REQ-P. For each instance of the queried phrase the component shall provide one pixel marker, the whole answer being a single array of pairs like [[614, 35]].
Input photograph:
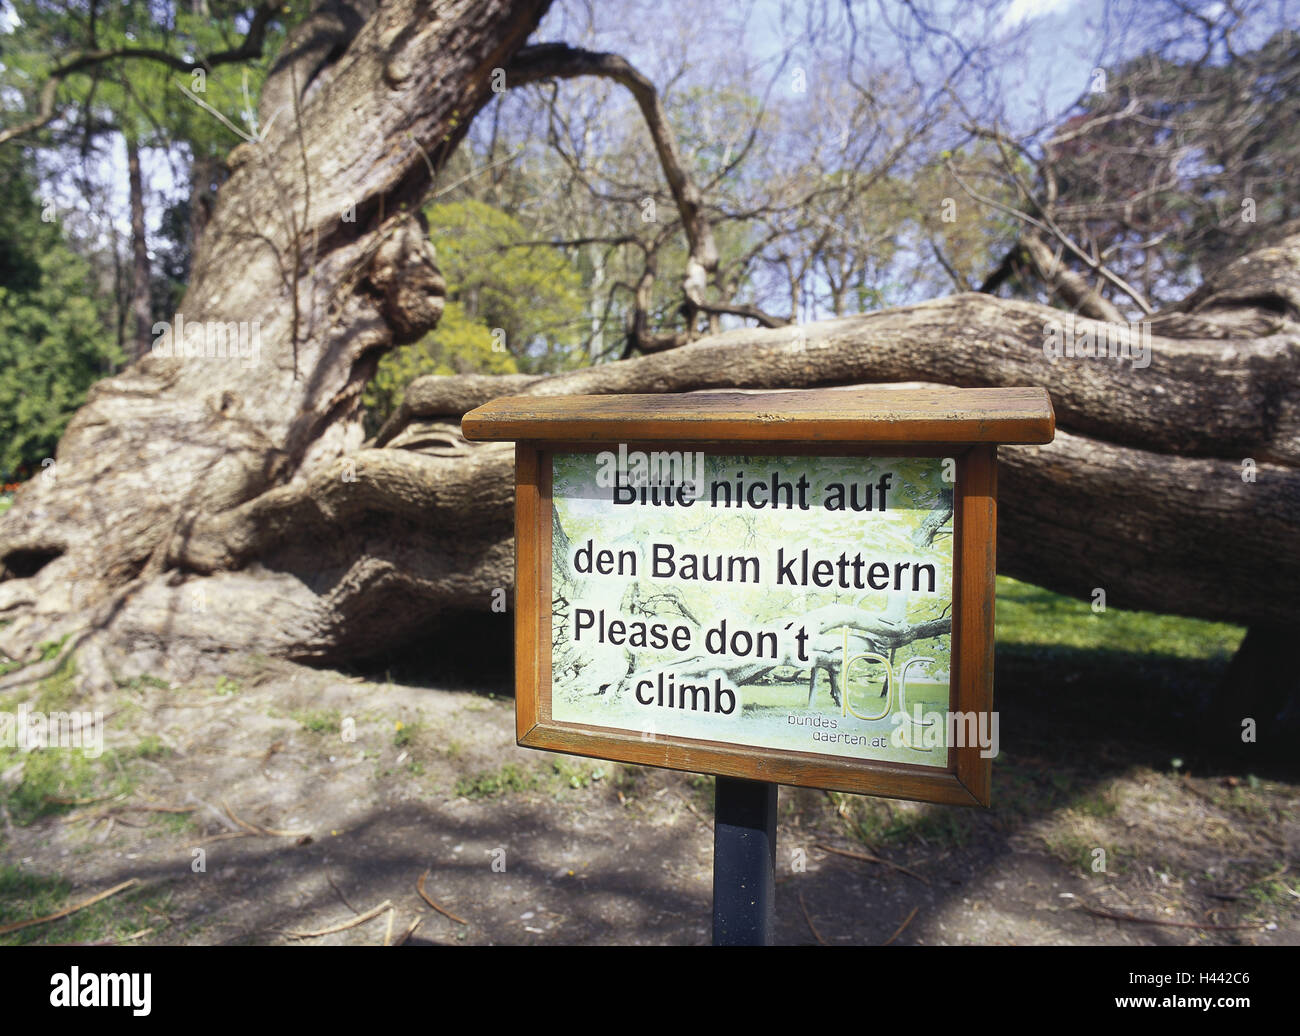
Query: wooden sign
[[791, 587]]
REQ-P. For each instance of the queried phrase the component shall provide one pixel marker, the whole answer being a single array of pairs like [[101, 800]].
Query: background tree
[[54, 339], [1173, 165], [138, 80]]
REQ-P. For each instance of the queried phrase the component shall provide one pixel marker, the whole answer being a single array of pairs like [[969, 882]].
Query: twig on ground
[[257, 829], [700, 816], [223, 836], [330, 879], [811, 927], [867, 857], [409, 930], [276, 832], [1267, 877], [242, 823], [899, 930], [16, 925], [419, 887], [369, 915], [1114, 916]]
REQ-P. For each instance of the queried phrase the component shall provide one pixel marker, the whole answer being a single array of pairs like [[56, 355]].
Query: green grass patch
[[877, 823], [1271, 892], [1074, 849], [405, 734], [177, 823], [150, 746], [140, 683], [318, 721], [58, 690], [24, 896], [50, 648], [488, 785], [573, 773], [1100, 803], [704, 789], [55, 692], [1029, 615], [227, 686], [54, 780], [627, 776]]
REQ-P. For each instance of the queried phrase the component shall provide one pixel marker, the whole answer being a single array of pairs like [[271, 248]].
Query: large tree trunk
[[316, 255], [203, 506]]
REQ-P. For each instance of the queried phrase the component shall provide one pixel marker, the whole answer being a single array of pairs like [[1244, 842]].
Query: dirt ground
[[319, 798]]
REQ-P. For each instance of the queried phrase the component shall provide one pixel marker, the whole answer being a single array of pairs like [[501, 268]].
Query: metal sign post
[[744, 862]]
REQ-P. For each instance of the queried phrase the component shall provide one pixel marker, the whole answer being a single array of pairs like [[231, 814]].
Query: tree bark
[[317, 260], [1255, 712]]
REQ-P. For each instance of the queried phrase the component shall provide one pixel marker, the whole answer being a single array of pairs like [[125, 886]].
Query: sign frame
[[965, 424]]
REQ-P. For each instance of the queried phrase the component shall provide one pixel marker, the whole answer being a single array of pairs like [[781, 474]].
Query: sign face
[[792, 587], [779, 602]]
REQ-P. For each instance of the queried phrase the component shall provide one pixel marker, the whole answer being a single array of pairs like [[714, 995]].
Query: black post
[[744, 862]]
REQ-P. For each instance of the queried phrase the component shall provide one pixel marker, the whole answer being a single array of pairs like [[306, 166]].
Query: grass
[[148, 747], [55, 780], [879, 823], [318, 721], [140, 683], [52, 779], [58, 690], [177, 823], [1100, 803], [488, 785], [1271, 892], [227, 686], [627, 777], [50, 648], [575, 774], [704, 789], [405, 734], [24, 895], [1075, 850], [1029, 616], [45, 651]]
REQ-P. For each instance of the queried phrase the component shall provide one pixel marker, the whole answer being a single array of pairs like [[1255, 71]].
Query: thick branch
[[752, 312], [560, 61], [1073, 287], [1204, 396]]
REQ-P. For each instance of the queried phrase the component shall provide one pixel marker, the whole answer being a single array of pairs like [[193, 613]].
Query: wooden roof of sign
[[1016, 416]]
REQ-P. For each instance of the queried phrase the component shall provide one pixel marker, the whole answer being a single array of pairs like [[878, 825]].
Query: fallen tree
[[204, 505]]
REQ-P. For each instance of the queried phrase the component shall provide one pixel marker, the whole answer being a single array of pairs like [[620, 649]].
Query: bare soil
[[367, 784]]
